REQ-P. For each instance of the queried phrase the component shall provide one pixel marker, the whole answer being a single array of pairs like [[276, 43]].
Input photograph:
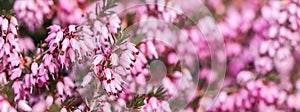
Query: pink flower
[[112, 82], [153, 104], [263, 65], [15, 73], [66, 87], [5, 105], [127, 59], [59, 87], [32, 12], [69, 14], [245, 76], [65, 44], [24, 106], [87, 79], [114, 59], [151, 49], [49, 101], [97, 59], [41, 106], [173, 58], [69, 82], [27, 45], [4, 26], [114, 23], [63, 110], [34, 68]]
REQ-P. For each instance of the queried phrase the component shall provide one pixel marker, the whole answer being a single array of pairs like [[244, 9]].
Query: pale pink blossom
[[24, 106]]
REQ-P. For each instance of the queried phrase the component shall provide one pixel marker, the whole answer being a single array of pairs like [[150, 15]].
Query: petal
[[87, 79], [4, 25], [49, 100], [65, 44], [13, 20], [16, 73], [69, 82], [59, 36], [72, 28], [34, 68], [63, 110], [50, 37], [60, 88], [114, 59], [107, 73], [98, 59], [1, 43], [24, 106]]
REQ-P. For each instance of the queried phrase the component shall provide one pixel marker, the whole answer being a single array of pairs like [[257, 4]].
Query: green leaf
[[139, 38], [107, 4], [54, 108], [159, 93], [136, 102]]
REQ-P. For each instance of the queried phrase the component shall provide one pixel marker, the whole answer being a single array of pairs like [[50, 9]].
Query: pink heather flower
[[97, 59], [139, 70], [263, 65], [69, 82], [233, 49], [149, 49], [69, 14], [271, 28], [59, 87], [173, 58], [32, 12], [245, 76], [3, 80], [170, 86], [19, 90], [4, 26], [68, 42], [208, 75], [114, 59], [153, 104], [65, 87], [29, 81], [16, 73], [163, 11], [27, 45], [65, 44], [241, 99], [114, 23], [24, 106], [127, 59], [87, 79], [106, 107], [49, 101], [63, 110], [112, 82], [34, 68], [5, 105], [235, 66], [49, 63], [41, 106], [284, 61]]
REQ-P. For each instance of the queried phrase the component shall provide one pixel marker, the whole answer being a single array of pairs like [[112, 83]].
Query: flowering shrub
[[149, 55]]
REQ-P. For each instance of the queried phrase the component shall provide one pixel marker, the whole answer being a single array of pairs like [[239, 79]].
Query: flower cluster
[[160, 55], [35, 12], [32, 12]]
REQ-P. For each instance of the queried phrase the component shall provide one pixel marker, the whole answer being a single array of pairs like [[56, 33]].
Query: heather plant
[[149, 55]]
